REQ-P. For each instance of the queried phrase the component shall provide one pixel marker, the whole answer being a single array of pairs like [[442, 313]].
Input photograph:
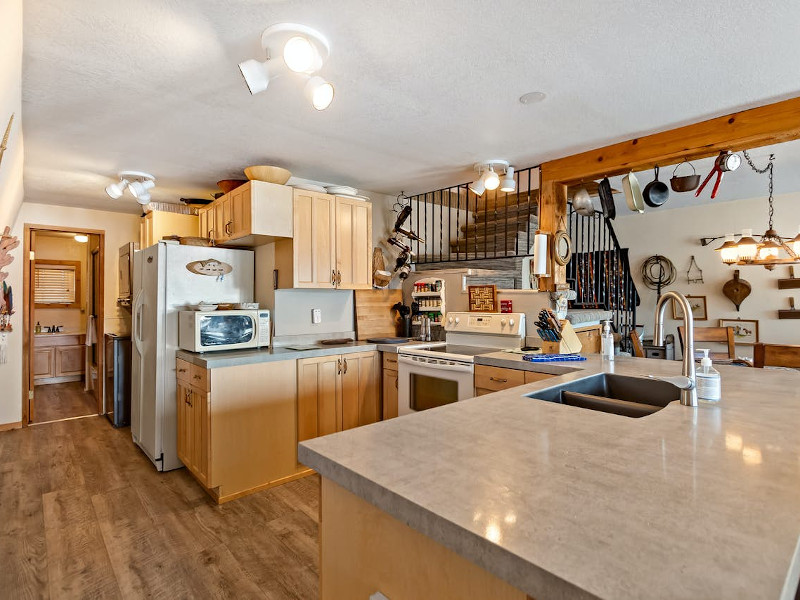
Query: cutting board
[[374, 314]]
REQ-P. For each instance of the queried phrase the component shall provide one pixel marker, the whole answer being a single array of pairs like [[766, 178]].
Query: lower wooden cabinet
[[389, 385], [59, 358], [338, 392], [237, 426], [493, 379]]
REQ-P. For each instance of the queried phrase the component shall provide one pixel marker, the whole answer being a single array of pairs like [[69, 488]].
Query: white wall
[[675, 233], [11, 102], [119, 228]]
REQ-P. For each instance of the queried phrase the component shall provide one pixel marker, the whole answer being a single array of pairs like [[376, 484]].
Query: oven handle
[[423, 362]]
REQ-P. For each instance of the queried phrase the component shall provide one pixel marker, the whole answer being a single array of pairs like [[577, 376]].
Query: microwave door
[[227, 330]]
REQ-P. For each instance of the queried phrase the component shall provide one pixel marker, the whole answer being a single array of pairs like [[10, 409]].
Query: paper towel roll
[[540, 258]]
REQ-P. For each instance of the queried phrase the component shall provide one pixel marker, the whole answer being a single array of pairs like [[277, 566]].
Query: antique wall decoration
[[745, 331], [736, 289], [699, 310], [4, 143], [694, 274]]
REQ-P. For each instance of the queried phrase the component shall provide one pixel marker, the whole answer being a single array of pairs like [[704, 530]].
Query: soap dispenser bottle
[[607, 342], [709, 385]]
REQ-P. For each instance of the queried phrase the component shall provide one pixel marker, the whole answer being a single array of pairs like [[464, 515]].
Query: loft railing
[[459, 226], [600, 272]]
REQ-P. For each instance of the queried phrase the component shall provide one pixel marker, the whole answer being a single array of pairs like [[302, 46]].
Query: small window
[[57, 284]]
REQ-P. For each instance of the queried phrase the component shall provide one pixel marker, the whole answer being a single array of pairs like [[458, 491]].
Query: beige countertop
[[571, 503]]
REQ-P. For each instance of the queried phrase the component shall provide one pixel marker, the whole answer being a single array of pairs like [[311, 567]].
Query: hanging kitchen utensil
[[657, 272], [684, 183], [582, 203], [633, 193], [736, 290], [724, 163], [607, 199], [697, 276], [656, 192]]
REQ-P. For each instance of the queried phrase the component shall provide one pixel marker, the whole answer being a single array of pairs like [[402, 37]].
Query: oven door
[[424, 382]]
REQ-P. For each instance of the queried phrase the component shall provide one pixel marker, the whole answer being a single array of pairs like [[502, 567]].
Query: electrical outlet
[[316, 316]]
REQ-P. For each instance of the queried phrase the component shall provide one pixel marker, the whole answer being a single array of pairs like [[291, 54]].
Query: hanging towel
[[91, 330]]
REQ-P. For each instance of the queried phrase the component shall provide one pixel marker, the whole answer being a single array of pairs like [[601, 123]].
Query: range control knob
[[450, 320], [502, 322], [458, 320], [511, 322]]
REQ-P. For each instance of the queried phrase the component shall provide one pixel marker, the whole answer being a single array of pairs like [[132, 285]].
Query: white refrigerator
[[168, 278]]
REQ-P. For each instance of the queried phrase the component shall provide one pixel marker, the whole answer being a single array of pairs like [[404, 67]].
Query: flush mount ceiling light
[[138, 184], [81, 238], [489, 177], [303, 50], [532, 97]]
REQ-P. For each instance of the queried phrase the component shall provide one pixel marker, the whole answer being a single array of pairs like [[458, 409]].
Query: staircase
[[496, 233]]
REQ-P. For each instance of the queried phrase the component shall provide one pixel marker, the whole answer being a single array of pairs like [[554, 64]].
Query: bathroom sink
[[616, 394]]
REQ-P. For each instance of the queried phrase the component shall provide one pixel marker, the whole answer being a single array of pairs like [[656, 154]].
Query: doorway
[[63, 291]]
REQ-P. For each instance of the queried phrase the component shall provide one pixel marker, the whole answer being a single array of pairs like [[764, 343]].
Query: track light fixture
[[138, 184], [489, 177], [304, 51]]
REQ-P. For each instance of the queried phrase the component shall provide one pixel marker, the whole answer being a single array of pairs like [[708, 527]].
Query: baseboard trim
[[10, 426]]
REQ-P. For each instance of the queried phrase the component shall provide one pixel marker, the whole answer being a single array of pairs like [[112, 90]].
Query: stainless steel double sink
[[615, 394]]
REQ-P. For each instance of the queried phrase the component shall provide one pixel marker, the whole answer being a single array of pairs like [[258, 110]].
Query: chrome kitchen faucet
[[688, 382]]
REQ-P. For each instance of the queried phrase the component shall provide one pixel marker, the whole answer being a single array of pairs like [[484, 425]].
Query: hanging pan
[[684, 183], [607, 199], [633, 193], [656, 192]]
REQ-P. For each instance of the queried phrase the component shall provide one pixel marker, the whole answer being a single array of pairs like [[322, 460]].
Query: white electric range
[[438, 373]]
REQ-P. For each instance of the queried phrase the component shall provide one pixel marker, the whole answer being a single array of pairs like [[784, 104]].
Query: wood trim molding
[[10, 426], [752, 128]]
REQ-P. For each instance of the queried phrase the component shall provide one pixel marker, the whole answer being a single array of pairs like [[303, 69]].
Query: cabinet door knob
[[228, 227], [345, 365], [333, 278]]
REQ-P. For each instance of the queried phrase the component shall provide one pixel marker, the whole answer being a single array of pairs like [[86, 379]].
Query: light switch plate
[[316, 316]]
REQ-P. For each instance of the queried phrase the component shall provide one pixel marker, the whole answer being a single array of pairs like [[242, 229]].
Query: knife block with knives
[[568, 344]]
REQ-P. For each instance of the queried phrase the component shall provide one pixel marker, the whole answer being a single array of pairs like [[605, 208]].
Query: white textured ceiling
[[423, 89]]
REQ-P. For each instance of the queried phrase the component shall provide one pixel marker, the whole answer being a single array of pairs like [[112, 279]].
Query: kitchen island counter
[[565, 502]]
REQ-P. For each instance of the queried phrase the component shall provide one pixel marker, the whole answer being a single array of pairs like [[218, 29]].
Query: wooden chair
[[636, 342], [776, 355], [716, 335]]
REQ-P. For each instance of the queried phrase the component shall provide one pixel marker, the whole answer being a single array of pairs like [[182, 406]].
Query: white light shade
[[81, 238], [508, 184], [256, 75], [319, 92], [728, 251], [139, 189], [491, 180], [300, 55], [747, 246], [115, 189], [477, 187], [540, 261]]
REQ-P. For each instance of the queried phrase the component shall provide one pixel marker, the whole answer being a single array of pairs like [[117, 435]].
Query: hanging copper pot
[[736, 290]]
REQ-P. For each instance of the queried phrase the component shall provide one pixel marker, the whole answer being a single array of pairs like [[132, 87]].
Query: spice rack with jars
[[428, 294]]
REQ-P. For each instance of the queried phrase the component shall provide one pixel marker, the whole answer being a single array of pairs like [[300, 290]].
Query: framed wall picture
[[699, 310], [745, 331], [482, 298]]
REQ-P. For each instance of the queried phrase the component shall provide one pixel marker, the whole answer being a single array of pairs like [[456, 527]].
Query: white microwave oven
[[200, 331]]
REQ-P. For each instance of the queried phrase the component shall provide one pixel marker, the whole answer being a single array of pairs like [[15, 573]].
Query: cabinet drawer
[[200, 378], [183, 370], [494, 378], [390, 361], [531, 376]]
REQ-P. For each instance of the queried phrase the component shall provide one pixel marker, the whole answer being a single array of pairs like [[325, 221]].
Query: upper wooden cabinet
[[158, 224], [253, 214], [332, 244]]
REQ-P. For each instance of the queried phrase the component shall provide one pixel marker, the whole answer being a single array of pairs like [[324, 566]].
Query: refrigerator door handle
[[137, 327]]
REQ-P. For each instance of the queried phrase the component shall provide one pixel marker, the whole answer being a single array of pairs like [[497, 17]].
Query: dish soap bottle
[[709, 385], [607, 342]]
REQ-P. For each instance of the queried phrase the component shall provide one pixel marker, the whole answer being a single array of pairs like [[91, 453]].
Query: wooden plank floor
[[55, 401], [83, 514]]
